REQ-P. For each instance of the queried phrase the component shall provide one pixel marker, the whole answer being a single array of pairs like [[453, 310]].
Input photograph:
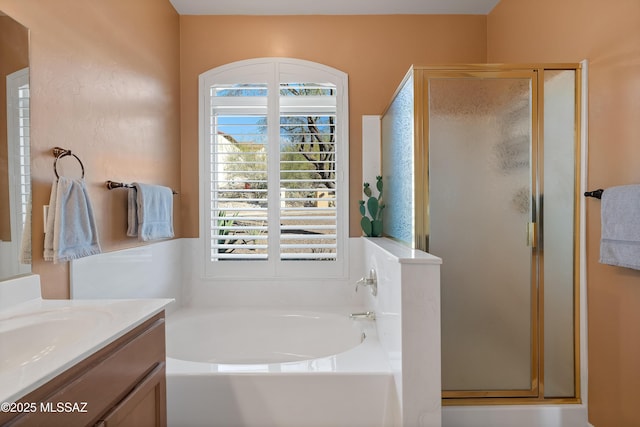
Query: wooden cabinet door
[[145, 406]]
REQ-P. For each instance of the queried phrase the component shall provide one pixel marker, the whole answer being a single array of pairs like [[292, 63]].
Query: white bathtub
[[267, 368]]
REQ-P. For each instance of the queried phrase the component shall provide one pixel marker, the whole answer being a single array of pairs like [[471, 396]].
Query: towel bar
[[60, 153], [113, 184], [596, 193]]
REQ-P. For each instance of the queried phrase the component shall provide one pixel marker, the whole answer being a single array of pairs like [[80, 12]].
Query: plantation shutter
[[307, 172], [274, 170], [308, 220], [274, 167], [238, 165], [24, 152]]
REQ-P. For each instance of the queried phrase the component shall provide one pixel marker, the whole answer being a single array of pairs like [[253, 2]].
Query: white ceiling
[[332, 7]]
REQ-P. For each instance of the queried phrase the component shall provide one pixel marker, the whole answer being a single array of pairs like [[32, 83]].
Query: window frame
[[274, 71]]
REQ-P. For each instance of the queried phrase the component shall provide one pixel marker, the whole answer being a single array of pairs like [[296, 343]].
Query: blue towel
[[71, 231], [620, 239], [151, 212], [132, 213]]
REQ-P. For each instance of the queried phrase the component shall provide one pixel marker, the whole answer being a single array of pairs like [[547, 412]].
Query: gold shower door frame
[[534, 72]]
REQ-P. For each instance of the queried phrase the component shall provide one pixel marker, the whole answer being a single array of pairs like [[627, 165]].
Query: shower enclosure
[[481, 165]]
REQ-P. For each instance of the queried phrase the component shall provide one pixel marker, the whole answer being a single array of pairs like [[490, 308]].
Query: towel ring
[[60, 153]]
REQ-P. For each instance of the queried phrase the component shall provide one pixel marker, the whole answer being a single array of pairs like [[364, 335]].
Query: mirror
[[15, 176]]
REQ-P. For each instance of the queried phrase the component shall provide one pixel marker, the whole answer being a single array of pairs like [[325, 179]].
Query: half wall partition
[[481, 164]]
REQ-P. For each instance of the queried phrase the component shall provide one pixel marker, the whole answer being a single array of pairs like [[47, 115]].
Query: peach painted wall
[[608, 35], [375, 51], [105, 84]]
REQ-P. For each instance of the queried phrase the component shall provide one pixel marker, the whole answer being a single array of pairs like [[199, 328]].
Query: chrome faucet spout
[[371, 315]]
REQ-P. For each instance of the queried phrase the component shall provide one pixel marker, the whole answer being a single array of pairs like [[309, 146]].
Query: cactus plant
[[372, 223]]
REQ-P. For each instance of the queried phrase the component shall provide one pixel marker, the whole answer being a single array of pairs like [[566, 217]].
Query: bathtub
[[275, 368]]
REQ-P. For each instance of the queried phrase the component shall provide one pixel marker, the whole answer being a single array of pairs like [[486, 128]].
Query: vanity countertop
[[39, 339]]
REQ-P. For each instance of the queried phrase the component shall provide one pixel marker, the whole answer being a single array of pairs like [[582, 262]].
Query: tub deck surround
[[334, 380], [173, 269], [395, 376], [40, 339], [148, 271], [268, 292], [408, 322], [401, 253]]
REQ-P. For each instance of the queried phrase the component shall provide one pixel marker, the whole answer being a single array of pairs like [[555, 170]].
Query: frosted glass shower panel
[[480, 202], [481, 168], [398, 165], [559, 231]]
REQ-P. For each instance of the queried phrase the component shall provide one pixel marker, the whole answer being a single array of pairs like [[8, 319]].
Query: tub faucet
[[369, 280], [371, 315]]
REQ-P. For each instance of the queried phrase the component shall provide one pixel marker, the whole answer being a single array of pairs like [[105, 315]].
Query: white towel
[[620, 239], [71, 231], [153, 208]]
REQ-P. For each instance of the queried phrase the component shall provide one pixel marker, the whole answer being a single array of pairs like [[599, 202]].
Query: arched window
[[274, 169]]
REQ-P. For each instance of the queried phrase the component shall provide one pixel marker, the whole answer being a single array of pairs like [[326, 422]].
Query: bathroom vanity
[[83, 363]]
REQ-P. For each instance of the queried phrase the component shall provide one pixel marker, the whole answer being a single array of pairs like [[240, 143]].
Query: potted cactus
[[372, 223]]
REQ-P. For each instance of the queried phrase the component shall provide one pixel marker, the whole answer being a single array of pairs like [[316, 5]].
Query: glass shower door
[[482, 193]]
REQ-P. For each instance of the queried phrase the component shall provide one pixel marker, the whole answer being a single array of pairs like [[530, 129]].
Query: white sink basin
[[40, 339], [27, 338]]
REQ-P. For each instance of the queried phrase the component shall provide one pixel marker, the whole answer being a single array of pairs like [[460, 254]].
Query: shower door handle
[[531, 234]]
